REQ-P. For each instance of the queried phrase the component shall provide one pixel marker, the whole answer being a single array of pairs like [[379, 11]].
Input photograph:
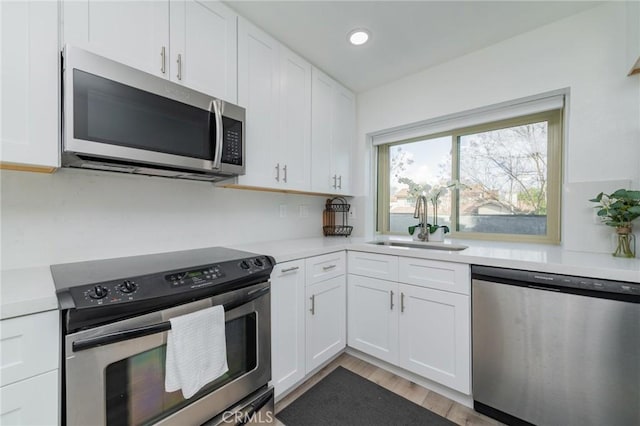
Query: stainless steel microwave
[[120, 119]]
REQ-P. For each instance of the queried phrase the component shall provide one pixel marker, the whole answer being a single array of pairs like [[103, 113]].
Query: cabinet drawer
[[31, 402], [321, 268], [380, 266], [29, 346], [454, 277]]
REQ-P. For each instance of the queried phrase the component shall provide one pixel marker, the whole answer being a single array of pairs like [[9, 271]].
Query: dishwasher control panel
[[542, 279]]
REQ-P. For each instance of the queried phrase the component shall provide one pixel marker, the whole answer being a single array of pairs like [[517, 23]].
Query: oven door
[[113, 377]]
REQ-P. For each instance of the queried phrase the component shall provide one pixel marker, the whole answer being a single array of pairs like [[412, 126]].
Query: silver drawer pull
[[391, 300], [179, 61], [401, 302], [326, 268], [313, 304], [278, 172], [295, 268]]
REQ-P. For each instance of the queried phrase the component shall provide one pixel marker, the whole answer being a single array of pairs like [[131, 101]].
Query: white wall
[[75, 215], [586, 53]]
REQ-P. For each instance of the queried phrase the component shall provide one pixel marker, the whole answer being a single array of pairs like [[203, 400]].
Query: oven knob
[[257, 262], [99, 292], [128, 286], [244, 265]]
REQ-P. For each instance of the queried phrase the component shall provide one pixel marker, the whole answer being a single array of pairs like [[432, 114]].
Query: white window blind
[[502, 111]]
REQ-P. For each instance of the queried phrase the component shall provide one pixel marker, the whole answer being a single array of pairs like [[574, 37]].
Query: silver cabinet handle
[[179, 66], [391, 300], [284, 169], [326, 268], [163, 55], [340, 182], [295, 268], [401, 302], [335, 181], [278, 172], [313, 304]]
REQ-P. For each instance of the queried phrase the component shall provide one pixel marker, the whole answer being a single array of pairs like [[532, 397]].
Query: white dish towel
[[196, 350]]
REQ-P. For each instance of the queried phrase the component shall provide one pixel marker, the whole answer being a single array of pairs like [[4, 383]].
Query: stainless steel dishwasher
[[554, 349]]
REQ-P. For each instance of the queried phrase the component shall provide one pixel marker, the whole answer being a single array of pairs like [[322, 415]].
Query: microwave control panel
[[232, 141]]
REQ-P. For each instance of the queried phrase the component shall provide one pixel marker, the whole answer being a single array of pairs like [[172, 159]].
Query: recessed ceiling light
[[358, 37]]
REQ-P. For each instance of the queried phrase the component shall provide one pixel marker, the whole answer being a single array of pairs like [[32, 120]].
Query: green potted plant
[[619, 209]]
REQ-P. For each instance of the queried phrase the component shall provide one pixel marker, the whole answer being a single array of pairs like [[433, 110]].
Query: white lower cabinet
[[30, 351], [417, 317], [434, 336], [325, 321], [373, 317], [308, 316], [287, 325], [422, 325], [32, 401]]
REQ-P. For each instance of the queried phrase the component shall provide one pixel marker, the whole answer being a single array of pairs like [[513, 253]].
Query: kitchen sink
[[426, 245]]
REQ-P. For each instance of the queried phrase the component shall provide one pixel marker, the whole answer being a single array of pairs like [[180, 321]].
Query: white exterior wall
[[587, 53]]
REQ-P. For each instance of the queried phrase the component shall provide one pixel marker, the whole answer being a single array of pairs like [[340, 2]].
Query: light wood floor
[[437, 403]]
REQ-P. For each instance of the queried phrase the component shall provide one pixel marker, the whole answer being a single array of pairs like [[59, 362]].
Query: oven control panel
[[169, 283]]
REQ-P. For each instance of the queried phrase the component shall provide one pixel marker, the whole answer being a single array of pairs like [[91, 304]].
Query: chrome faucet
[[421, 214]]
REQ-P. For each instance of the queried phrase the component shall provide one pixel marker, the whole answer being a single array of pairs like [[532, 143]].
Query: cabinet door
[[131, 32], [434, 339], [203, 33], [373, 317], [258, 88], [325, 321], [322, 99], [33, 401], [295, 120], [30, 345], [29, 85], [287, 325], [333, 116], [344, 133]]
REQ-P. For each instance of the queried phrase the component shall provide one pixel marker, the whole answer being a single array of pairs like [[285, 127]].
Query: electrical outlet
[[283, 210], [352, 213], [303, 210]]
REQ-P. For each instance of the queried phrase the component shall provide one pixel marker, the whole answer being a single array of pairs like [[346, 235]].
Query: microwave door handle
[[215, 108]]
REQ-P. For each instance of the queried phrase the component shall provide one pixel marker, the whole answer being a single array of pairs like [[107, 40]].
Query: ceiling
[[407, 36]]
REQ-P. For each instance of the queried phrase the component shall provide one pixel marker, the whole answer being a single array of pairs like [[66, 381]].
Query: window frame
[[554, 118]]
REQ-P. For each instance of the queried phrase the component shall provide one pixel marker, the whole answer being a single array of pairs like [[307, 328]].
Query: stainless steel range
[[116, 315]]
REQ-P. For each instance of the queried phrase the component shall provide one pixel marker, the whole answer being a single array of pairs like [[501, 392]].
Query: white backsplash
[[582, 230], [75, 215]]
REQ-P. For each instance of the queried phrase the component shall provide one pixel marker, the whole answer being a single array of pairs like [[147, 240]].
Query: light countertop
[[31, 290]]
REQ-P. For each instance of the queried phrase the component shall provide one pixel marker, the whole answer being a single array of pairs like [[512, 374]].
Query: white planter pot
[[438, 235]]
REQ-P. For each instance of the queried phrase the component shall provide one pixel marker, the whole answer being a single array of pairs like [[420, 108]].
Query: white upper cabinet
[[135, 33], [187, 41], [274, 85], [332, 134], [295, 119], [258, 86], [204, 47], [29, 82]]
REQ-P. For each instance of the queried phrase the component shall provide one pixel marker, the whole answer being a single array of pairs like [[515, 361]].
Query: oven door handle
[[254, 407], [132, 333]]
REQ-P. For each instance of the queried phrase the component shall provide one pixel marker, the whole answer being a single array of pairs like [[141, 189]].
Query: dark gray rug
[[344, 398]]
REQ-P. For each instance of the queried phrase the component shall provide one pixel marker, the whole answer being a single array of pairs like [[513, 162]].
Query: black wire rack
[[336, 208]]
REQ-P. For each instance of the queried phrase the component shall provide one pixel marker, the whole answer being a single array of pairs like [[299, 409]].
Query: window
[[498, 180]]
